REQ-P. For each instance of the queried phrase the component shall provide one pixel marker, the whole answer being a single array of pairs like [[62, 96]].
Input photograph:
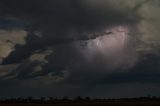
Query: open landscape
[[87, 104], [144, 101]]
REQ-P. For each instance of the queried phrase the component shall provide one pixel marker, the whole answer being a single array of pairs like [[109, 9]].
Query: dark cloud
[[61, 44]]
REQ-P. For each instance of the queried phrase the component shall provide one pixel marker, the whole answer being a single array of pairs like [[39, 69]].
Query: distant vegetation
[[78, 99]]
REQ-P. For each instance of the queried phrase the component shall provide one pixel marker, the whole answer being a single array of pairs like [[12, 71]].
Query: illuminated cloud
[[9, 39]]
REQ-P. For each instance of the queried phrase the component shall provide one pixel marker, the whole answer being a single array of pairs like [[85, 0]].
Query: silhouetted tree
[[42, 99], [78, 98], [87, 98], [29, 99], [65, 98], [51, 98]]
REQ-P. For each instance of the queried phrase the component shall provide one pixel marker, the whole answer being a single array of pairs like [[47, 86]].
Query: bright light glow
[[111, 49], [111, 43]]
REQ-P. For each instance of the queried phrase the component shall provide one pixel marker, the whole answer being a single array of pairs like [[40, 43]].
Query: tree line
[[77, 99]]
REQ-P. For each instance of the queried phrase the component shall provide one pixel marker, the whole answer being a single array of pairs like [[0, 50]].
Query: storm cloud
[[79, 41]]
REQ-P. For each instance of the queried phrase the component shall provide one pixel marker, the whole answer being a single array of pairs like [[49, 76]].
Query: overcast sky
[[97, 48]]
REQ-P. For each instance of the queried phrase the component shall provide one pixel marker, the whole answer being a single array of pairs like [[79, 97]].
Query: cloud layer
[[79, 41]]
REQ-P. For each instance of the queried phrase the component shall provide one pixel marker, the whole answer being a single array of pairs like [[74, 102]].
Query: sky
[[96, 48]]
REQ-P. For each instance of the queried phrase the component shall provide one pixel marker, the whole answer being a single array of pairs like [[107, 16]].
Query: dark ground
[[87, 104]]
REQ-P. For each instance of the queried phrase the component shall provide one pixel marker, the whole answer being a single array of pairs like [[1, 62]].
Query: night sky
[[96, 48]]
